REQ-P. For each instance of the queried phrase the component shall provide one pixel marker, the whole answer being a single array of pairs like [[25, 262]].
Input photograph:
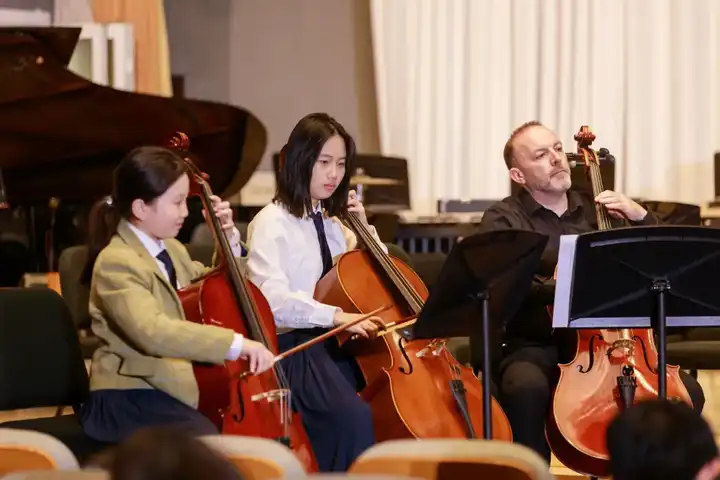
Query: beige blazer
[[148, 343]]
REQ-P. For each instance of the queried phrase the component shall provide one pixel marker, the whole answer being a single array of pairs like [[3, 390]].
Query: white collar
[[306, 216], [318, 208], [153, 247]]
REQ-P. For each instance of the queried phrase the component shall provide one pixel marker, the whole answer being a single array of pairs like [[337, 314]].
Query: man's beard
[[551, 186]]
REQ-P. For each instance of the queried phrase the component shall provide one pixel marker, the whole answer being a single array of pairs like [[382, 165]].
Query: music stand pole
[[490, 274], [636, 267], [660, 287], [482, 298]]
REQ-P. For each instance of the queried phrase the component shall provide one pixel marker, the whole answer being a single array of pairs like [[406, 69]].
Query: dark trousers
[[111, 416], [526, 379], [324, 382]]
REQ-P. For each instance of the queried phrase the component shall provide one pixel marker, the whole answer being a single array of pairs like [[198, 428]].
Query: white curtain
[[454, 78]]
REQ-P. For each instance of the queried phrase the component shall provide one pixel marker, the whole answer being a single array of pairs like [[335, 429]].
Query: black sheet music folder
[[609, 279], [483, 281]]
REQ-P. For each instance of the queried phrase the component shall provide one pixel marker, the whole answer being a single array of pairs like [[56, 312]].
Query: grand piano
[[61, 136]]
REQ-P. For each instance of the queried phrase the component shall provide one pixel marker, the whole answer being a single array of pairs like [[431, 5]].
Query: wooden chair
[[257, 458], [449, 459], [358, 476], [30, 450], [59, 475]]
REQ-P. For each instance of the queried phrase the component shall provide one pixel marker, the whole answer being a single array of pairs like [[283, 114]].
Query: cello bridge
[[625, 344], [434, 348], [280, 394]]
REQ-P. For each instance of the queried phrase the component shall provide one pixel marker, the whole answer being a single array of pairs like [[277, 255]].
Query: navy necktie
[[164, 257], [322, 239]]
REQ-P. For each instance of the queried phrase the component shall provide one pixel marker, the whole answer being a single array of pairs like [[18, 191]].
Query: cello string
[[399, 280], [603, 214], [388, 265], [241, 286], [238, 281]]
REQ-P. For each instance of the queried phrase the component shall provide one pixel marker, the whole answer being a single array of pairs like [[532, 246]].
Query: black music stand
[[485, 278], [639, 277]]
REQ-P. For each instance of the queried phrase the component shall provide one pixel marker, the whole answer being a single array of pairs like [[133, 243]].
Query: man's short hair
[[659, 439], [508, 151]]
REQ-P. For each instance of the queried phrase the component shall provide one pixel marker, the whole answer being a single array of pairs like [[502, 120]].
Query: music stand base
[[481, 336]]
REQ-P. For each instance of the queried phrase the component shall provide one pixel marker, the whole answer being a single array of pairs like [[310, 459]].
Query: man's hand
[[620, 206]]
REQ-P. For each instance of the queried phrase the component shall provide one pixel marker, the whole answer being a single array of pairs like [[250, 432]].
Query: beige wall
[[280, 59], [292, 57], [199, 39]]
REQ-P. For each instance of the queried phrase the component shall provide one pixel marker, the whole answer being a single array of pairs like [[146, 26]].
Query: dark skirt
[[111, 416], [324, 382]]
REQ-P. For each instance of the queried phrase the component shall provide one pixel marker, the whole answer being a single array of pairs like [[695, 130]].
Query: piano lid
[[61, 135]]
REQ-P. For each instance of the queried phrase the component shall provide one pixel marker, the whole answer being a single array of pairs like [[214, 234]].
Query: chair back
[[440, 459], [397, 251], [201, 252], [40, 352], [674, 213], [77, 294], [257, 458], [59, 475], [358, 476], [30, 450], [202, 235]]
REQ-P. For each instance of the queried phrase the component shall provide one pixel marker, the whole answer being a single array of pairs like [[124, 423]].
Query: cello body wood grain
[[612, 369], [254, 405], [410, 384]]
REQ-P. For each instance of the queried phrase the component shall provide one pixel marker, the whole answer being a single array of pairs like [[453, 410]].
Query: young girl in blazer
[[142, 375], [292, 243]]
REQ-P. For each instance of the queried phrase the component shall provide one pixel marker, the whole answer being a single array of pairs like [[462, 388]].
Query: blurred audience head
[[165, 454], [662, 440]]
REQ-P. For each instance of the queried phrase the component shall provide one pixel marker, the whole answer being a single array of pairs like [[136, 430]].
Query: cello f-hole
[[233, 302], [591, 351], [409, 369], [241, 403], [645, 354]]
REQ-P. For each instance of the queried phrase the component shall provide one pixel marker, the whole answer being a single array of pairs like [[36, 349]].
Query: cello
[[415, 388], [612, 368], [252, 405]]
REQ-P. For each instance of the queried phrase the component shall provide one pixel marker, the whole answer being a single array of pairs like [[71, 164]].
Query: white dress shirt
[[285, 263], [154, 247]]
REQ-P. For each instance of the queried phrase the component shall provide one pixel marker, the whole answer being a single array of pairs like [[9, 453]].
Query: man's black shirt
[[532, 326]]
